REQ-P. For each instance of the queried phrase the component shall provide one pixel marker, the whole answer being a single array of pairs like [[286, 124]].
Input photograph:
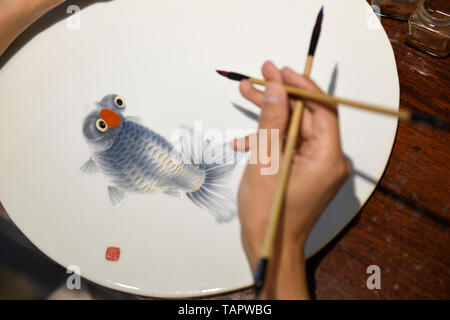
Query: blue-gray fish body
[[142, 161]]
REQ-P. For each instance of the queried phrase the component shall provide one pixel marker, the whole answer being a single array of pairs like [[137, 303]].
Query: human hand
[[318, 170]]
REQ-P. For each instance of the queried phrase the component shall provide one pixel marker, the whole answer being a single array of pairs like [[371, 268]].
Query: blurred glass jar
[[429, 28], [397, 9]]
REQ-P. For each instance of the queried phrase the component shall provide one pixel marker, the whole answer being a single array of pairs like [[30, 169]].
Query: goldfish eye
[[119, 102], [101, 125]]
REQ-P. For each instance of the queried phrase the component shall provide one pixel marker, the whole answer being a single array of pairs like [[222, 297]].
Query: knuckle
[[273, 118], [343, 170]]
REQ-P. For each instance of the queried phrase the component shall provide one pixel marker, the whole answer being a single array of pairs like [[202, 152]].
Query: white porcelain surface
[[161, 56]]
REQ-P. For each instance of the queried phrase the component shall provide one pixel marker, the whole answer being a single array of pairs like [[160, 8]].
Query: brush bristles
[[222, 73], [320, 16], [430, 120], [232, 75], [260, 275], [316, 33]]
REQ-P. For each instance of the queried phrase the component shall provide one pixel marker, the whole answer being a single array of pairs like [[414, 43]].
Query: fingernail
[[272, 94], [270, 62]]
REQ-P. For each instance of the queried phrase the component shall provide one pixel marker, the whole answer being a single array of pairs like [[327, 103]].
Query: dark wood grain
[[404, 227]]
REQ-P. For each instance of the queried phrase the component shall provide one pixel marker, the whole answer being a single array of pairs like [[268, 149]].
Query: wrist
[[286, 275], [300, 220], [253, 248], [289, 241]]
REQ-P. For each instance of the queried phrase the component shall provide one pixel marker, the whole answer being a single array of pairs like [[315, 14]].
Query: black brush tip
[[316, 33], [260, 275], [222, 73], [320, 16], [232, 75], [430, 120]]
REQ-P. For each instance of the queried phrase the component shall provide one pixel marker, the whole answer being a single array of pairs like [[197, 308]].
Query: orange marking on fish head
[[111, 118]]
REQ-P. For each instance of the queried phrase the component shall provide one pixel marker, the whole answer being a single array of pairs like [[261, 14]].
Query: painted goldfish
[[136, 159]]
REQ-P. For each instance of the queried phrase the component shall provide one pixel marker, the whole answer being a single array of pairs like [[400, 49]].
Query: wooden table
[[404, 227]]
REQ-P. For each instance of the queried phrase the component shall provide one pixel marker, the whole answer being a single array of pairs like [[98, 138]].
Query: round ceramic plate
[[161, 56]]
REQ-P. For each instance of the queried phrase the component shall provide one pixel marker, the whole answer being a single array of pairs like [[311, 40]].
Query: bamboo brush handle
[[305, 94], [291, 142]]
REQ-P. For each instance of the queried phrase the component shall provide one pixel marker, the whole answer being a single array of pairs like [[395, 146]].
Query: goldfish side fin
[[89, 167], [175, 193], [116, 196]]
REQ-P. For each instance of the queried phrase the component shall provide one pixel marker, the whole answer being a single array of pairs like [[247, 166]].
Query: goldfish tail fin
[[216, 199], [217, 161]]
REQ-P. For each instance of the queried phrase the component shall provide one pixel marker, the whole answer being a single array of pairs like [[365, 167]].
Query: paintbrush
[[321, 97], [291, 141]]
